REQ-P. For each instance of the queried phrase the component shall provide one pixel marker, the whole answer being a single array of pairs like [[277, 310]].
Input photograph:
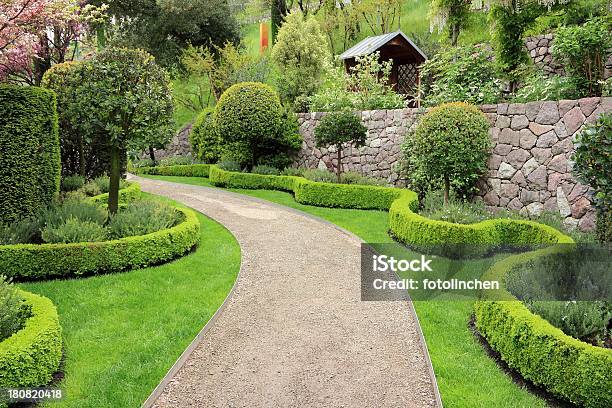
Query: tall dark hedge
[[29, 150]]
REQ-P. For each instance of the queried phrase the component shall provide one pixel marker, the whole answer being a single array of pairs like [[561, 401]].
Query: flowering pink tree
[[34, 34]]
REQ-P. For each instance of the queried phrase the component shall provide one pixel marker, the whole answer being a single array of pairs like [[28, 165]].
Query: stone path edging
[[162, 395]]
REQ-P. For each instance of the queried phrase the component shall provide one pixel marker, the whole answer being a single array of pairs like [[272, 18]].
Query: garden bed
[[31, 356]]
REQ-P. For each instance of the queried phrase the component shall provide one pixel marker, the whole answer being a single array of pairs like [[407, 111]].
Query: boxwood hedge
[[30, 357], [543, 354], [188, 170], [29, 150], [44, 261], [126, 195]]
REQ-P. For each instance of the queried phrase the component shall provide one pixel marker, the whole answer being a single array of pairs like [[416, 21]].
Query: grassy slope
[[124, 331], [467, 377]]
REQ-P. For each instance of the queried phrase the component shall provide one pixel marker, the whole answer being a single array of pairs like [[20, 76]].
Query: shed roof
[[372, 44]]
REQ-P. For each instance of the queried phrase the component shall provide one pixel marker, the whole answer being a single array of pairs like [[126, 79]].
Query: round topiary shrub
[[206, 144], [450, 145], [248, 116], [29, 151]]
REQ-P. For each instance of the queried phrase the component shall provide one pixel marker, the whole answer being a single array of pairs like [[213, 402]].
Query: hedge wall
[[543, 354], [44, 261], [130, 193], [29, 151], [30, 357], [189, 170]]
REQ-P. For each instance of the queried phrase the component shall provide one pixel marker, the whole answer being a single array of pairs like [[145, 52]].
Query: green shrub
[[91, 189], [136, 164], [263, 169], [538, 87], [177, 161], [450, 144], [46, 261], [142, 217], [30, 160], [13, 310], [206, 144], [320, 175], [249, 118], [57, 215], [461, 74], [230, 165], [72, 183], [337, 129], [582, 50], [593, 165], [73, 230], [292, 171], [24, 231], [31, 356], [352, 177]]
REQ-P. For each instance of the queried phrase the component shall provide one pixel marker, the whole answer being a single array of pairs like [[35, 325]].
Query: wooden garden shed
[[396, 46]]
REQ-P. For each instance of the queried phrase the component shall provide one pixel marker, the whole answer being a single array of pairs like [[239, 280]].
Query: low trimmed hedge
[[44, 261], [567, 367], [543, 354], [30, 356], [185, 170]]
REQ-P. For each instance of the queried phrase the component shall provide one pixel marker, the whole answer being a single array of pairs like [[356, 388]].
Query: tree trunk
[[454, 35], [339, 166], [446, 190], [113, 192], [152, 155]]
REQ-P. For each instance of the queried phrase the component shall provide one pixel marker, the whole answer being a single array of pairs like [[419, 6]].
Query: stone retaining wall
[[529, 168]]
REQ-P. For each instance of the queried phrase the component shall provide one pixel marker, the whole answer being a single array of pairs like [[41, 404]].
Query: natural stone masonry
[[530, 167], [295, 332]]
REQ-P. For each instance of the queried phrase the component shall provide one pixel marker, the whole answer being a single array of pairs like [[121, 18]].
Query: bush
[[582, 50], [176, 161], [301, 53], [538, 87], [338, 128], [351, 177], [142, 217], [249, 116], [72, 183], [461, 74], [450, 144], [31, 356], [136, 164], [320, 175], [91, 189], [262, 169], [206, 144], [456, 211], [30, 160], [14, 310], [593, 165], [73, 230], [24, 231], [293, 171], [102, 185], [46, 261], [229, 165], [57, 215]]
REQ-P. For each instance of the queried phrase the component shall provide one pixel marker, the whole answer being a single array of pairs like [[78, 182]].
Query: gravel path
[[294, 333]]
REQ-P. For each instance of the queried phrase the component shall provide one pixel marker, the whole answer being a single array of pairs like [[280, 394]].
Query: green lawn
[[122, 332], [466, 376]]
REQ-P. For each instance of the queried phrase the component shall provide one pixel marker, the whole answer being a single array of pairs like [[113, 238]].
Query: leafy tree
[[593, 165], [278, 12], [465, 74], [126, 96], [452, 14], [381, 16], [301, 54], [165, 27], [583, 51], [451, 143], [338, 128]]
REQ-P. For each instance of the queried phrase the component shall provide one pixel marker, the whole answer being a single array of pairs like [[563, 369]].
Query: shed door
[[408, 79]]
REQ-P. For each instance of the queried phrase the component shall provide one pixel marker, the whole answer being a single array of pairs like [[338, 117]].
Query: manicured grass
[[124, 331], [466, 376]]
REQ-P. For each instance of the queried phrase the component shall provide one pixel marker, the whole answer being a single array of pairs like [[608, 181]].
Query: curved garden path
[[294, 332]]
